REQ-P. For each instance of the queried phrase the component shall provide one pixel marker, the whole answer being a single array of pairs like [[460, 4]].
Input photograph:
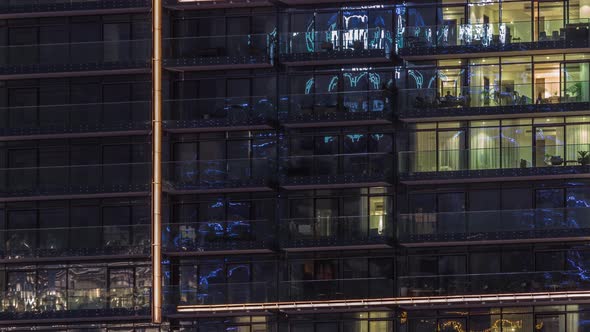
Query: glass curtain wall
[[494, 144], [505, 81], [347, 29], [482, 22]]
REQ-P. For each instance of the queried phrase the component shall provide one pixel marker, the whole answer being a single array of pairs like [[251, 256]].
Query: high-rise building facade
[[326, 166]]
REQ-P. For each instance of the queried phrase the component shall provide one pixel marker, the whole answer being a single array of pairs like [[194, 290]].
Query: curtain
[[450, 150], [485, 148], [578, 139], [422, 155], [517, 147]]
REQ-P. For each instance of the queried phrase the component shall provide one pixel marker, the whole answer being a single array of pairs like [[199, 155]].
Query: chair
[[542, 36], [555, 35]]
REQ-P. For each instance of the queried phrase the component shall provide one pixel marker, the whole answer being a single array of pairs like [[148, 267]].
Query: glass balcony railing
[[475, 100], [517, 282], [336, 106], [219, 112], [56, 302], [82, 56], [485, 36], [493, 225], [200, 175], [251, 49], [210, 293], [336, 289], [218, 235], [76, 241], [191, 4], [526, 157], [75, 118], [28, 6], [336, 169], [330, 42], [344, 230], [74, 180]]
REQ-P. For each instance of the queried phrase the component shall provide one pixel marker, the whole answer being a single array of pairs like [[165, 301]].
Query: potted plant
[[556, 160], [575, 90], [584, 158], [547, 159]]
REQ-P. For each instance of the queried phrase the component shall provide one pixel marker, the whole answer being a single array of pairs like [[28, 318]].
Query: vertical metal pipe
[[156, 161]]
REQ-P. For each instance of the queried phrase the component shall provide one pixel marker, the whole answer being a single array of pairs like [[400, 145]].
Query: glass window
[[483, 84], [53, 223], [21, 285], [121, 288], [517, 261], [422, 155], [451, 150], [484, 263], [20, 239], [422, 265], [86, 288], [516, 198], [52, 289], [24, 115], [549, 17], [117, 47], [23, 41], [578, 141], [550, 261], [484, 148], [517, 149], [515, 88], [116, 221], [53, 178], [85, 225]]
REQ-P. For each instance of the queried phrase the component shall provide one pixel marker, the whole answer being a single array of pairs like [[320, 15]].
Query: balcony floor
[[217, 63], [496, 175], [513, 111], [335, 57], [469, 51]]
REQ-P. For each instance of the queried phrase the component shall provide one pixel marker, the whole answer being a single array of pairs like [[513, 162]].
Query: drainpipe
[[156, 219]]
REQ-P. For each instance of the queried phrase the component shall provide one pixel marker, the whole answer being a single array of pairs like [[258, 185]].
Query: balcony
[[336, 109], [74, 181], [448, 228], [75, 242], [210, 4], [212, 293], [61, 302], [368, 232], [336, 171], [209, 292], [30, 8], [65, 59], [96, 119], [493, 164], [219, 236], [219, 52], [336, 289], [224, 175], [360, 46], [490, 283], [215, 114], [316, 2], [439, 40], [479, 101]]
